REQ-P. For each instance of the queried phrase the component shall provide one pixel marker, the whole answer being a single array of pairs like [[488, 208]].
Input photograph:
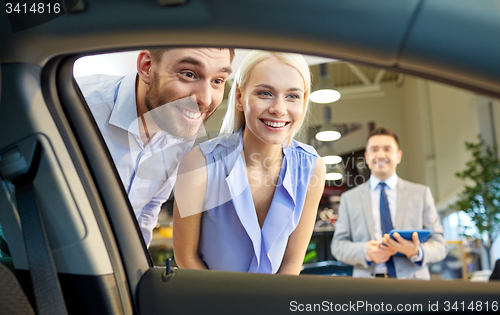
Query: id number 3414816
[[38, 8], [477, 306]]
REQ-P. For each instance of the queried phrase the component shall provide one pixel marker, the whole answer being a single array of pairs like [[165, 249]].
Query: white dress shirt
[[392, 196], [148, 172]]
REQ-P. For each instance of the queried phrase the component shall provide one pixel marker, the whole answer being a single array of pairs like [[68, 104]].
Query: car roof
[[452, 41]]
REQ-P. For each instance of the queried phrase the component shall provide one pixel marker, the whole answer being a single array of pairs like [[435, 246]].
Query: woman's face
[[272, 101]]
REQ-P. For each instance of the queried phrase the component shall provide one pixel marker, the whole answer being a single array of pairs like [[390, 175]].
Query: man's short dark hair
[[156, 54], [381, 131]]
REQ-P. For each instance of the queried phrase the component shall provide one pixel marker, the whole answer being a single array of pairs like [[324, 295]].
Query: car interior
[[69, 240]]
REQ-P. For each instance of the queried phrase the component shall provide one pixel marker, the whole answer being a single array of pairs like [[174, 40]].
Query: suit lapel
[[367, 206], [402, 199]]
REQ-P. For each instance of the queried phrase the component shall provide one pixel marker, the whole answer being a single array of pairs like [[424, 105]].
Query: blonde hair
[[235, 119]]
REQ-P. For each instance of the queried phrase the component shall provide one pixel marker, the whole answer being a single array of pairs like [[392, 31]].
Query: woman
[[247, 200]]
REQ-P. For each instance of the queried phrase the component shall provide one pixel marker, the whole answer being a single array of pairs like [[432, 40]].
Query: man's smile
[[195, 115]]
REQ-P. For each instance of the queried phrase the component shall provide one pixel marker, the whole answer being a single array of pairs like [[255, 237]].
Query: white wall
[[111, 64], [414, 102], [454, 121]]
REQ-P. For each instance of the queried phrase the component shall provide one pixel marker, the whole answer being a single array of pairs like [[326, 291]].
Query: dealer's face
[[187, 86], [382, 156]]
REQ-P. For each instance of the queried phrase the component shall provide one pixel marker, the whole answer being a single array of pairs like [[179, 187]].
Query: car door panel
[[290, 24], [216, 292], [431, 48], [409, 36], [80, 254]]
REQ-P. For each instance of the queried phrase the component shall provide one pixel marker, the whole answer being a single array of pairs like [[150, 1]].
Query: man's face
[[187, 86], [382, 156]]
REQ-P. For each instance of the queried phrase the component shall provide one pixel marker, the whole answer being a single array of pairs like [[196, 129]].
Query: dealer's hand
[[377, 252], [406, 247]]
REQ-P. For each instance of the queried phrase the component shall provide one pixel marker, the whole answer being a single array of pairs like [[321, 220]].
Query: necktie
[[386, 224]]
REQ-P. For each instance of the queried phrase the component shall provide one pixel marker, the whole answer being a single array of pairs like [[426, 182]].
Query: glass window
[[432, 121]]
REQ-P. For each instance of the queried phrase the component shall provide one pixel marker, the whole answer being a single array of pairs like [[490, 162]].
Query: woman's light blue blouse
[[230, 236]]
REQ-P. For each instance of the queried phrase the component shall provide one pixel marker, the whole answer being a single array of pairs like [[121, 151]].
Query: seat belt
[[48, 294]]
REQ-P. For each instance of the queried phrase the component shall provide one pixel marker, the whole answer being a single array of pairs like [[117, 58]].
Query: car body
[[101, 260]]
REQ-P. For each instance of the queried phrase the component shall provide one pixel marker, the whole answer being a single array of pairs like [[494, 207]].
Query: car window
[[434, 123]]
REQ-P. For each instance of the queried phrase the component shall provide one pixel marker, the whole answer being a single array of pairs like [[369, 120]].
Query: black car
[[49, 144]]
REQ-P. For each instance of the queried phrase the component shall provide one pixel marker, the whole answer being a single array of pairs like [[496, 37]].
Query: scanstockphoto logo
[[348, 178], [26, 14]]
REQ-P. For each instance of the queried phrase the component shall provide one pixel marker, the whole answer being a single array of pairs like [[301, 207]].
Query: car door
[[102, 263]]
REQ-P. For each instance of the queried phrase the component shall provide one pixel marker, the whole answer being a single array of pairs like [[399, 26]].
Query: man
[[150, 118], [384, 202]]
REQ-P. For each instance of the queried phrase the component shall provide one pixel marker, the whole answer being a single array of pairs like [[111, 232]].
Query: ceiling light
[[325, 96], [332, 159], [333, 176], [328, 131], [328, 135]]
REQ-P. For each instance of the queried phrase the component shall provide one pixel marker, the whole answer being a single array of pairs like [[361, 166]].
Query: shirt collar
[[124, 111], [391, 182]]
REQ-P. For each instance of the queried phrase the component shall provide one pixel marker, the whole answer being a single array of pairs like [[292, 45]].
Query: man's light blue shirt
[[147, 172]]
